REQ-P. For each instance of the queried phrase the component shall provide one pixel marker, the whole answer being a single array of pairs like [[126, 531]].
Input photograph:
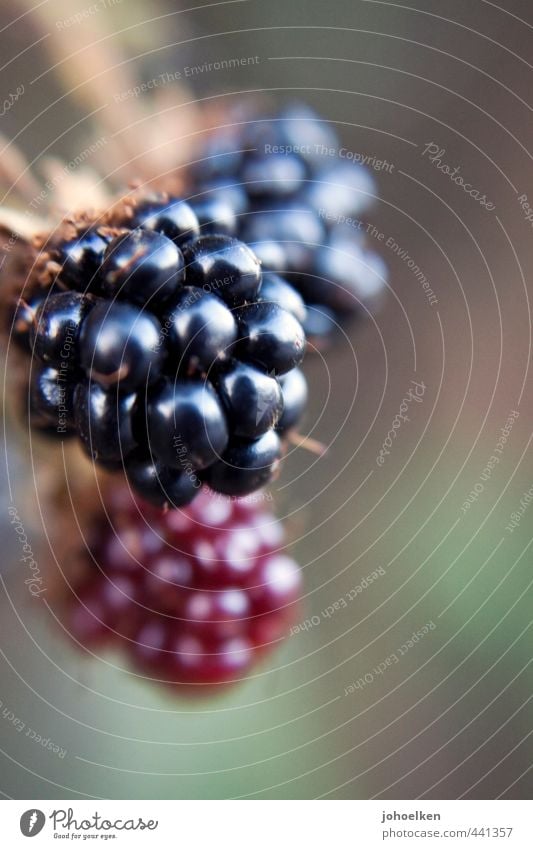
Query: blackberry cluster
[[168, 351], [281, 184], [195, 595]]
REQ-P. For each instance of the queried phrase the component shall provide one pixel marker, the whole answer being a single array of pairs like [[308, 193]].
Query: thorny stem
[[307, 442]]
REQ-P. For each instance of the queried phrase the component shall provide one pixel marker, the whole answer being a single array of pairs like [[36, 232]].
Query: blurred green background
[[452, 717]]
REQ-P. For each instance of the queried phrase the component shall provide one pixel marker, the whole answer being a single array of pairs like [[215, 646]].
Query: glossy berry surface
[[119, 344], [194, 597], [143, 267], [186, 424], [54, 335], [51, 401], [273, 175], [104, 420], [228, 190], [274, 289], [301, 189], [341, 191], [295, 226], [246, 465], [225, 266], [252, 400], [272, 255], [300, 126], [356, 277], [320, 324], [81, 259], [175, 219], [201, 330], [216, 215], [270, 337], [294, 392], [161, 485]]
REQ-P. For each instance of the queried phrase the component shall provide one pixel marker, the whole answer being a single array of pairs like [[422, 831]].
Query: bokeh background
[[453, 717]]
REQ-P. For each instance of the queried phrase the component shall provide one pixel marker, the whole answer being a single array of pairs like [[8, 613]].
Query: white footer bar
[[267, 824]]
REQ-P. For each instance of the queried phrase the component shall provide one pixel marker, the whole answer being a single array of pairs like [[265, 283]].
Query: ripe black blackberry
[[166, 347], [299, 205], [194, 596]]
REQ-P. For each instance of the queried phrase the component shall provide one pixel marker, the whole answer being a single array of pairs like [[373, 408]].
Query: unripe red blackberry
[[193, 596]]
